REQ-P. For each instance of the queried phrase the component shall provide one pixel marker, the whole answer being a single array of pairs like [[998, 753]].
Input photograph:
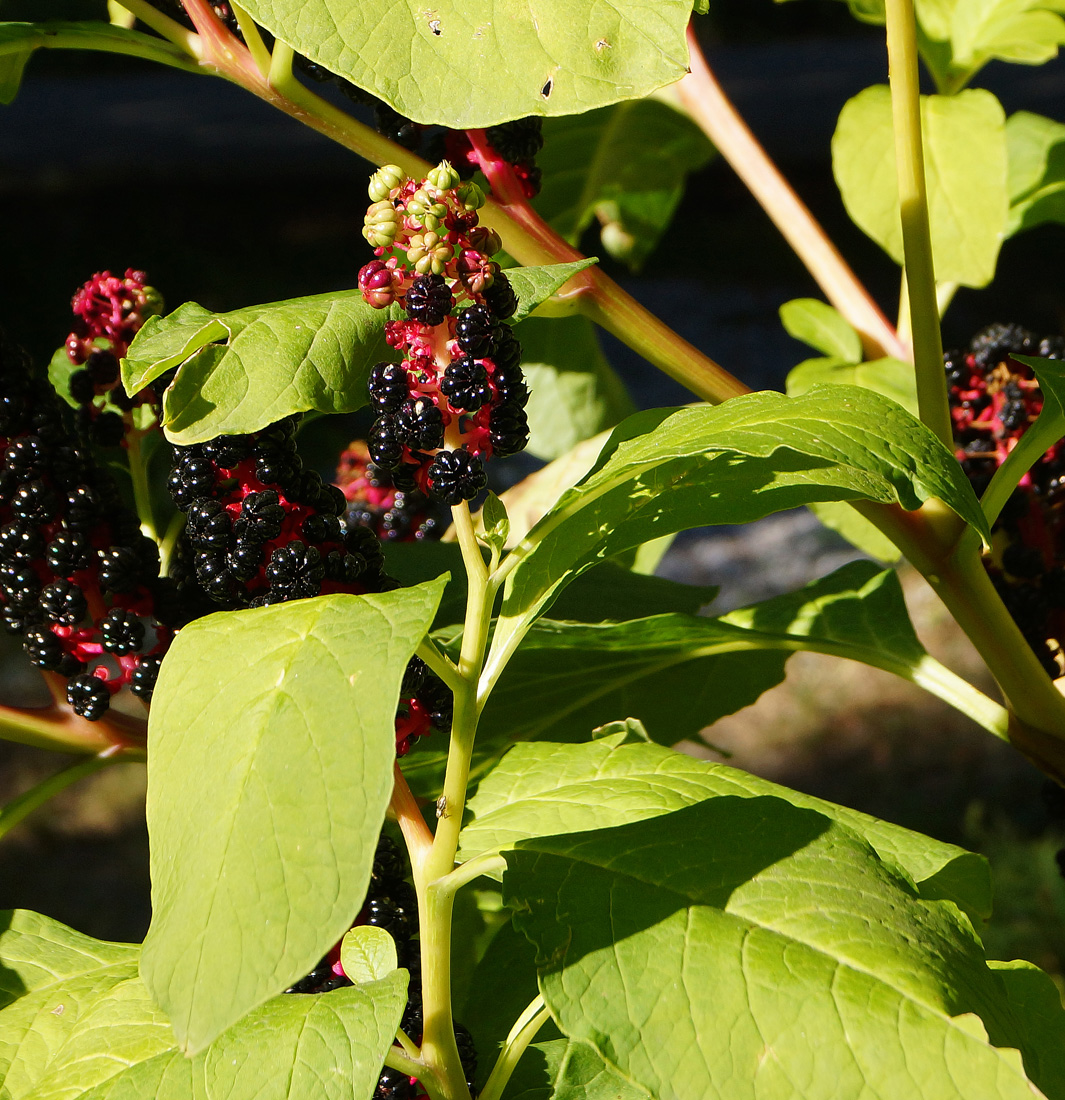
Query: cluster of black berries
[[458, 396], [373, 500], [78, 581], [391, 904], [262, 529], [993, 399], [108, 312], [514, 143]]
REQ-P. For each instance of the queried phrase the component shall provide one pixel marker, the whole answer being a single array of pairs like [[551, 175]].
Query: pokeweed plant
[[605, 916]]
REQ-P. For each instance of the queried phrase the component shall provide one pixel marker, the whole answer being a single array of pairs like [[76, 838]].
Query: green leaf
[[50, 976], [1022, 31], [562, 1069], [700, 951], [367, 954], [857, 530], [1036, 152], [542, 789], [240, 371], [534, 285], [624, 166], [324, 1047], [816, 323], [18, 41], [681, 673], [278, 724], [965, 168], [480, 62], [1036, 1002], [732, 463], [574, 392], [892, 378]]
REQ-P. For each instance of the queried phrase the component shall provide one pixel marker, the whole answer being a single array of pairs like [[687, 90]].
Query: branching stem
[[521, 1035]]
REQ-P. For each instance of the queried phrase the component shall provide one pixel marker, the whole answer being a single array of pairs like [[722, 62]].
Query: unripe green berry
[[381, 224], [427, 253], [385, 180], [424, 211], [153, 303], [443, 177]]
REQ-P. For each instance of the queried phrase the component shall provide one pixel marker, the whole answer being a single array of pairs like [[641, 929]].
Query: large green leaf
[[679, 673], [277, 725], [667, 470], [1036, 150], [480, 62], [965, 168], [326, 1047], [542, 789], [574, 392], [50, 976], [624, 166], [748, 947]]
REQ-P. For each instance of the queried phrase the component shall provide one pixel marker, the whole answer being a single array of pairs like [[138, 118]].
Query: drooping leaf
[[19, 40], [729, 464], [481, 62], [50, 976], [278, 725], [624, 166], [816, 323], [700, 950], [543, 788], [1035, 147], [573, 391], [965, 168]]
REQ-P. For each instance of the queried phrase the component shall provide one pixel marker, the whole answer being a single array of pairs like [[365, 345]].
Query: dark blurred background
[[106, 162]]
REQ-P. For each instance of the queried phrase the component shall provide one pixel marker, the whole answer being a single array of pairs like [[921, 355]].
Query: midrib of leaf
[[747, 922]]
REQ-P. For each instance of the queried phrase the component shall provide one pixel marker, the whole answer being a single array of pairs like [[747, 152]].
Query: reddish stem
[[416, 832]]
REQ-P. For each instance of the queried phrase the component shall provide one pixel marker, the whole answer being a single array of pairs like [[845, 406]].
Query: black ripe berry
[[63, 602], [465, 384], [122, 631], [475, 331], [429, 300], [420, 425], [142, 682], [385, 448], [455, 476], [509, 431], [516, 141], [295, 571], [88, 696], [389, 387], [500, 296]]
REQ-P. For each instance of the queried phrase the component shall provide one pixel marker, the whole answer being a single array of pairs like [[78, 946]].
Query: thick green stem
[[521, 1035], [20, 808], [252, 38], [57, 727], [712, 110], [913, 209]]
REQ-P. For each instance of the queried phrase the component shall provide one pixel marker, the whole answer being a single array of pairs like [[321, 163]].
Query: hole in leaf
[[545, 91]]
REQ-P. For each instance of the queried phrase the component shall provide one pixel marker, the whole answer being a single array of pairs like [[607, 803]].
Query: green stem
[[20, 808], [713, 112], [187, 41], [489, 863], [913, 209], [252, 39], [521, 1035], [70, 36], [169, 541], [142, 496], [280, 64], [397, 1058], [57, 727], [439, 663]]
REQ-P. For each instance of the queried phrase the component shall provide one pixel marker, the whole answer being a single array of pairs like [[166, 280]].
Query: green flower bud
[[470, 196], [427, 253], [381, 224], [424, 211], [443, 177], [385, 180]]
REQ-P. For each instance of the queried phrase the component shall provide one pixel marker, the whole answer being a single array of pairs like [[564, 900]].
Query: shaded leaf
[[481, 62], [891, 378], [1036, 154], [266, 877], [965, 168], [543, 789], [573, 391], [698, 951], [624, 166]]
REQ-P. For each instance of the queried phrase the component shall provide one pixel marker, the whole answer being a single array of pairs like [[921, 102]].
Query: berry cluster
[[391, 904], [260, 529], [373, 500], [993, 399], [516, 143], [109, 312], [78, 581], [458, 397]]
